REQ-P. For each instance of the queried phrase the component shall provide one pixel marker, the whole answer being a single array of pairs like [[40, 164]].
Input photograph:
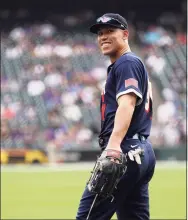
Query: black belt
[[103, 140]]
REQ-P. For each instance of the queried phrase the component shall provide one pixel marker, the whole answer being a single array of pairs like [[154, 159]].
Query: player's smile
[[105, 45]]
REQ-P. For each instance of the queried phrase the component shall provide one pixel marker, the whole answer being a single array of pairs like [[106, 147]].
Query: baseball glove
[[108, 170]]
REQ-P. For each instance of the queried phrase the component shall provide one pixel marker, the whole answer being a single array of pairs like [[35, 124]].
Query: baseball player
[[126, 117]]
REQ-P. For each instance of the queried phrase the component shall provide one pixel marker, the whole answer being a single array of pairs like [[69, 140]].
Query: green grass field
[[55, 194]]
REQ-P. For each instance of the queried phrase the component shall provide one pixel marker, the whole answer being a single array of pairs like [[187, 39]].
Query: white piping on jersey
[[129, 91]]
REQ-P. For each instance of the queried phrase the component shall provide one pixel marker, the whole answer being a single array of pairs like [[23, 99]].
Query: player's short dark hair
[[110, 19]]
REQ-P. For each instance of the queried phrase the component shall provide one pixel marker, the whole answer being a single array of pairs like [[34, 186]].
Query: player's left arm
[[129, 93], [126, 106]]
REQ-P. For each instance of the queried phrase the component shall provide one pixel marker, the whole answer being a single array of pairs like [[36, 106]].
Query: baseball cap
[[111, 19]]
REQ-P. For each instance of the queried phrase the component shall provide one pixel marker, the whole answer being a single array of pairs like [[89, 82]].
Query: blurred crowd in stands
[[51, 81]]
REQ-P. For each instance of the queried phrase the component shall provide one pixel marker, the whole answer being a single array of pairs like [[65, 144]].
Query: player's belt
[[104, 140], [140, 137]]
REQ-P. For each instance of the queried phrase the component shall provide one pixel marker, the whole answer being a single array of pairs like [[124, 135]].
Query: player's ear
[[125, 34]]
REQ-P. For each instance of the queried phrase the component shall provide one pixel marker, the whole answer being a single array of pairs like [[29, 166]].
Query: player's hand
[[135, 155], [114, 148], [107, 173]]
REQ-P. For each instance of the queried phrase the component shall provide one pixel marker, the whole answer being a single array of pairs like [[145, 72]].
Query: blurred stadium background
[[51, 76]]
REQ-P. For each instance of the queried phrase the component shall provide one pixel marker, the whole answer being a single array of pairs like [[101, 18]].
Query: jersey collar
[[110, 67]]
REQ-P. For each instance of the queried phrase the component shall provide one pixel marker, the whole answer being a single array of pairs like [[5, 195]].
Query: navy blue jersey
[[126, 75]]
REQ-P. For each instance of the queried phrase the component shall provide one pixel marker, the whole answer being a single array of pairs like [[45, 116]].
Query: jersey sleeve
[[129, 79]]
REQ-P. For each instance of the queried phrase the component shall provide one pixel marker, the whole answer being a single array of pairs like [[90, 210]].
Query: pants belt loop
[[142, 138]]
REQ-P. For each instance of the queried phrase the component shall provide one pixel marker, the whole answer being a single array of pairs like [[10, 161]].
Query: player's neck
[[119, 54]]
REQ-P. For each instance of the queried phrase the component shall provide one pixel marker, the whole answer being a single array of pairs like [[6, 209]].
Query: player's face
[[111, 40]]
